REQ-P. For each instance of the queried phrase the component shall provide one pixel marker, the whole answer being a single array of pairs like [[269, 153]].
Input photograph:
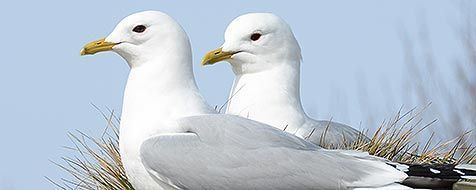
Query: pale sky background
[[47, 88]]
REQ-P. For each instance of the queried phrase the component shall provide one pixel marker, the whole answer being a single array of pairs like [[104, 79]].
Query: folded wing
[[329, 133], [230, 152]]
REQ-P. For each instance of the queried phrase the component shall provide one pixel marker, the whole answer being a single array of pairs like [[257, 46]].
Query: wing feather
[[230, 152]]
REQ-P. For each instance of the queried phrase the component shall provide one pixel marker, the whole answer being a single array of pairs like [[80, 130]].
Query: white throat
[[158, 91], [270, 96]]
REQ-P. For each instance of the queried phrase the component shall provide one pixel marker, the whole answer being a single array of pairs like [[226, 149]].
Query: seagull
[[160, 88], [265, 58], [170, 138]]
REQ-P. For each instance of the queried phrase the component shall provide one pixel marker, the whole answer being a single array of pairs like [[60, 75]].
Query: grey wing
[[230, 152], [330, 134]]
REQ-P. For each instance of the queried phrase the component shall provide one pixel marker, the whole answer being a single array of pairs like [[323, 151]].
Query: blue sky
[[47, 88]]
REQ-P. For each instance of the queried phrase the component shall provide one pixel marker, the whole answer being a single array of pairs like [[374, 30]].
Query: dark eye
[[255, 36], [139, 28]]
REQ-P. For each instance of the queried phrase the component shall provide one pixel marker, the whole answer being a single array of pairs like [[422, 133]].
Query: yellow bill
[[97, 46], [216, 56]]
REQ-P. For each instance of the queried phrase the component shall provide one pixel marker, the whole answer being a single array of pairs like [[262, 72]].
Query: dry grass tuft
[[97, 164], [395, 140]]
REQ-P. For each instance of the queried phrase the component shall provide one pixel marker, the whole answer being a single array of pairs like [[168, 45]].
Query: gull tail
[[435, 175]]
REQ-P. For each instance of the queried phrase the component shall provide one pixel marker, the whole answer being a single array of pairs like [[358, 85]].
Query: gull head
[[255, 42], [140, 36]]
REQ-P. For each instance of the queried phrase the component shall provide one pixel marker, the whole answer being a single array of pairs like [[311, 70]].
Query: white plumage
[[160, 88], [165, 133], [266, 86], [170, 137]]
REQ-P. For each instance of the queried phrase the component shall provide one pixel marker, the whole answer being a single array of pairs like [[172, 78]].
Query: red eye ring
[[255, 36]]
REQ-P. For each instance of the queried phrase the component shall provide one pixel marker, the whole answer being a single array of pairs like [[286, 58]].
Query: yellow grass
[[97, 164]]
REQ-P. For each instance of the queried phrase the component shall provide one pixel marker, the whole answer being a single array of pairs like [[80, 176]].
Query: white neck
[[270, 96], [161, 89], [158, 91]]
